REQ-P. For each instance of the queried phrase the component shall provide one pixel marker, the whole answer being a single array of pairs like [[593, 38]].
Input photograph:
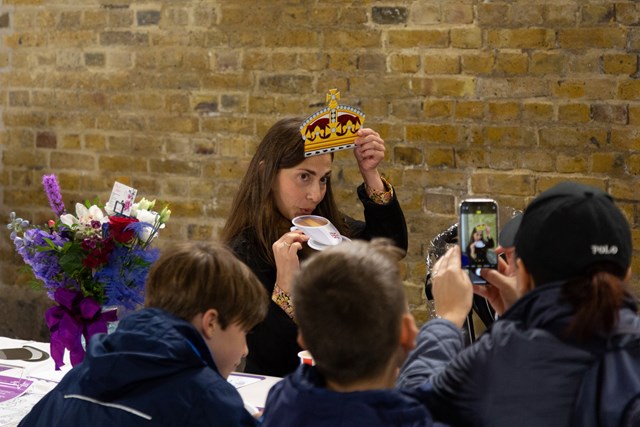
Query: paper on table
[[6, 367], [12, 411], [12, 387], [240, 380]]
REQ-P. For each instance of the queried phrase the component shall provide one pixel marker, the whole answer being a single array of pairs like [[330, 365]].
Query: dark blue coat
[[302, 400], [521, 372], [155, 370]]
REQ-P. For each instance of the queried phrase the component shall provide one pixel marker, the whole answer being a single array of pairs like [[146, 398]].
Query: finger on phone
[[481, 290]]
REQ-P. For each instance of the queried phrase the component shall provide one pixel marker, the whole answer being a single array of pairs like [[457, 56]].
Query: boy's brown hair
[[191, 278], [349, 304]]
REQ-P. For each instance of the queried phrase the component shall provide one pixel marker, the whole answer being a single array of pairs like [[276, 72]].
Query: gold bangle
[[282, 299]]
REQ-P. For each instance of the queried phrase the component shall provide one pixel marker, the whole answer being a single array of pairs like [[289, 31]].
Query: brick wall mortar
[[497, 99]]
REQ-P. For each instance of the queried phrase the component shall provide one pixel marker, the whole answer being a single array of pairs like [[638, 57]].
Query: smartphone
[[478, 236]]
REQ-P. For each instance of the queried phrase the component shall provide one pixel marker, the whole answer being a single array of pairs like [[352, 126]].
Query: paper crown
[[332, 128]]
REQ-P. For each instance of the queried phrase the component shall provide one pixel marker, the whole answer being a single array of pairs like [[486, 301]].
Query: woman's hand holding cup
[[285, 252]]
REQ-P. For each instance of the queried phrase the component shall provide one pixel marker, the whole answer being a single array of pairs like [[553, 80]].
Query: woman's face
[[298, 190], [477, 235]]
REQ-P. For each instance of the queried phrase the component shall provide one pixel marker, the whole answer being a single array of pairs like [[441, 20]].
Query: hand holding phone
[[476, 227]]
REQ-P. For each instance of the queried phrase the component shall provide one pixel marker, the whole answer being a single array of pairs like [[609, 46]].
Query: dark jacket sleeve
[[438, 342], [380, 221], [439, 372], [452, 380], [228, 410]]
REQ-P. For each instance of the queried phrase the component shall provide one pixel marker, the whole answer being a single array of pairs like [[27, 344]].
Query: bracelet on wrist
[[380, 197], [283, 300]]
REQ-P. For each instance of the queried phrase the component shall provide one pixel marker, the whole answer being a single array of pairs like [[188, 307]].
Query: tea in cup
[[318, 229]]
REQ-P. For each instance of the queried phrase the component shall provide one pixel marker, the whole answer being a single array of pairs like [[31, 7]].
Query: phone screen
[[477, 234]]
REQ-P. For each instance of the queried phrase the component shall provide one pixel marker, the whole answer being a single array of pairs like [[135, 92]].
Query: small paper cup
[[306, 358]]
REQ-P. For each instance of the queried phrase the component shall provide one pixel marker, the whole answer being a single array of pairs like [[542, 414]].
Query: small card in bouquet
[[121, 200]]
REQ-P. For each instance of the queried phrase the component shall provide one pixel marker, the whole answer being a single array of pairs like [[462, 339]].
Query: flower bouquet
[[89, 261]]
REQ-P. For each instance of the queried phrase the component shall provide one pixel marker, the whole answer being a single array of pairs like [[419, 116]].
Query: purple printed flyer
[[11, 387]]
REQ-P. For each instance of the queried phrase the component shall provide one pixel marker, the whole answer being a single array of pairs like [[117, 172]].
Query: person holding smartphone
[[571, 303]]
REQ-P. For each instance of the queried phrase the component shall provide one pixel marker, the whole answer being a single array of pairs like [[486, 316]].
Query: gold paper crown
[[332, 128]]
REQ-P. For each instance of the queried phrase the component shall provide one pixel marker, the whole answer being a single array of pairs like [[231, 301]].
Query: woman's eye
[[325, 179]]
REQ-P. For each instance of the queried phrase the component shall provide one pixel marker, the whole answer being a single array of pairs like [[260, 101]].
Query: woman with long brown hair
[[280, 184]]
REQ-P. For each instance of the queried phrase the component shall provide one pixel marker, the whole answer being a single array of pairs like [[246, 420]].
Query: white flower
[[69, 220], [143, 204], [149, 217], [83, 216]]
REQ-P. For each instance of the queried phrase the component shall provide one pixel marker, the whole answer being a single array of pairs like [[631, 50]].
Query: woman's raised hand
[[285, 252], [369, 152]]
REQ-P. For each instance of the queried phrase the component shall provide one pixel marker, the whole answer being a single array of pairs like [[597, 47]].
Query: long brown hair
[[254, 206], [596, 296]]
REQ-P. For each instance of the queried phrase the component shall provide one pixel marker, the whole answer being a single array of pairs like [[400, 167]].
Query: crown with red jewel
[[332, 128]]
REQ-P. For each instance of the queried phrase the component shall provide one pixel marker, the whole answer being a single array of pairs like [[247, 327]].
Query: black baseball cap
[[570, 227], [507, 236]]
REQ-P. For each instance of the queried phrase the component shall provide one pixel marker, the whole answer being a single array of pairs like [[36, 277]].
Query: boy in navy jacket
[[167, 364], [353, 317]]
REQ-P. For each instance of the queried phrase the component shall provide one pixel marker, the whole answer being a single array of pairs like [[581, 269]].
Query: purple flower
[[44, 264], [52, 188]]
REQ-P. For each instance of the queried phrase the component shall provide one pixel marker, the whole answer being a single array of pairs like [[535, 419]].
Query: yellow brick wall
[[499, 99]]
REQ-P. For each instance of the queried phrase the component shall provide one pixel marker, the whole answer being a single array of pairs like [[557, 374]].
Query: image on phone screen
[[477, 234]]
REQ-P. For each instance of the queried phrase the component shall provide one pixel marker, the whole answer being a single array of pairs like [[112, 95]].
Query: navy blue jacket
[[519, 373], [154, 370], [302, 400]]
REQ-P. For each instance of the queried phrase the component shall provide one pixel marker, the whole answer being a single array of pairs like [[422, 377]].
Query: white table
[[252, 388]]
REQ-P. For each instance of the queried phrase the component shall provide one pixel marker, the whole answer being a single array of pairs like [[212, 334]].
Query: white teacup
[[318, 229]]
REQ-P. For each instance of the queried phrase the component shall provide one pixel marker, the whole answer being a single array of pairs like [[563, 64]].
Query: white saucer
[[321, 246]]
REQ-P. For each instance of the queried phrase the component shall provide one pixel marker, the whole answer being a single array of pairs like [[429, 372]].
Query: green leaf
[[88, 203], [71, 260], [50, 243]]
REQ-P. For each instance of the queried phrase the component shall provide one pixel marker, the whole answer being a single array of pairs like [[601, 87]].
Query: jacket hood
[[148, 345], [302, 399]]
